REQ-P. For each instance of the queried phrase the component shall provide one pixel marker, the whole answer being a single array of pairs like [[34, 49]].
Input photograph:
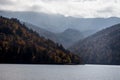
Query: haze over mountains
[[18, 44], [66, 38], [57, 27], [69, 37], [100, 48], [58, 23]]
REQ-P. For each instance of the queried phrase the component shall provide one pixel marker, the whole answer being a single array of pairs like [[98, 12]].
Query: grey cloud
[[88, 0], [83, 8], [70, 0], [34, 8], [106, 10], [5, 2], [50, 0]]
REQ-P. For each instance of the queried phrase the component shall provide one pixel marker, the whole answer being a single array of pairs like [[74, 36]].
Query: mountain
[[100, 48], [53, 23], [54, 27], [58, 23], [18, 44], [69, 37], [42, 32], [66, 38]]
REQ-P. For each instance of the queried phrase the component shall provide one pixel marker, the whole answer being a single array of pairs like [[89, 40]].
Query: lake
[[59, 72]]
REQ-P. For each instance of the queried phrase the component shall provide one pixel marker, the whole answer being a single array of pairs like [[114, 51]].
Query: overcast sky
[[76, 8]]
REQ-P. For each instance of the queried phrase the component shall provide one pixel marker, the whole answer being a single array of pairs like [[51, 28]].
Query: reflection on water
[[59, 72]]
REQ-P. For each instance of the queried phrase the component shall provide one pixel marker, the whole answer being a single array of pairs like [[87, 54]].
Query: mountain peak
[[71, 30]]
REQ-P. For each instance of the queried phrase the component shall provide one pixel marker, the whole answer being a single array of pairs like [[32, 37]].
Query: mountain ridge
[[100, 48], [58, 23], [66, 38]]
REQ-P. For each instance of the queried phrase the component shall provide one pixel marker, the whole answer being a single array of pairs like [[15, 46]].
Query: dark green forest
[[18, 44]]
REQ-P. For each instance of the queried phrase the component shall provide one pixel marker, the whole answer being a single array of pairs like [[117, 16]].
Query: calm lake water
[[59, 72]]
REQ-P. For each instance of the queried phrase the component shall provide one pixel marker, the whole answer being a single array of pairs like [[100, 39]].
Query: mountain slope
[[42, 32], [69, 37], [18, 44], [100, 48], [66, 38]]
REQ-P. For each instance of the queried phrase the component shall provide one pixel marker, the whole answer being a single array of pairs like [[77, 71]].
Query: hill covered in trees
[[18, 44], [100, 48]]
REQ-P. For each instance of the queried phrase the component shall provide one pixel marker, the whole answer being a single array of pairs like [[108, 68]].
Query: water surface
[[59, 72]]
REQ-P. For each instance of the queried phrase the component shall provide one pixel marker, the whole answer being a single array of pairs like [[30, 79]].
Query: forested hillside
[[100, 48], [18, 44]]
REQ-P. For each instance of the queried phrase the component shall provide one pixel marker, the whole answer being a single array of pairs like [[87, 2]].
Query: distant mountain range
[[58, 23], [92, 38], [100, 48], [67, 38], [18, 44], [63, 30]]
